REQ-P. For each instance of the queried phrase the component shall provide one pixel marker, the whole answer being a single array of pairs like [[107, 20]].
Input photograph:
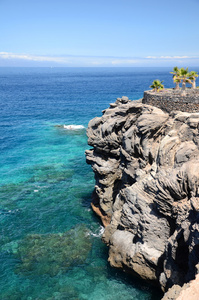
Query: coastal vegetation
[[180, 75], [176, 77], [157, 85], [184, 76], [192, 76]]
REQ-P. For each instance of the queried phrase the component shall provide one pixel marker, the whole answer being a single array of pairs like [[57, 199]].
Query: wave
[[73, 127]]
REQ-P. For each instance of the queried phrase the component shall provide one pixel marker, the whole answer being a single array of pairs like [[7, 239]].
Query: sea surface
[[50, 240]]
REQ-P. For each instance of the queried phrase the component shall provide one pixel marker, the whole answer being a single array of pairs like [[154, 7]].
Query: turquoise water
[[50, 240]]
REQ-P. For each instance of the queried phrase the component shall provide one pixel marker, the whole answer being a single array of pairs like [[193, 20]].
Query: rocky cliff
[[146, 165]]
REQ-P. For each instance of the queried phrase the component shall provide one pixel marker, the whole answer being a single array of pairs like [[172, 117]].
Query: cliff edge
[[146, 165]]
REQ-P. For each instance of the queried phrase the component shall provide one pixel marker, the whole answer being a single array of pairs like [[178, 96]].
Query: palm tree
[[157, 85], [184, 75], [176, 77], [192, 76], [177, 81]]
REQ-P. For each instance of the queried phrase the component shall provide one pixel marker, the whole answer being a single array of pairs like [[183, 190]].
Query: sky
[[93, 33]]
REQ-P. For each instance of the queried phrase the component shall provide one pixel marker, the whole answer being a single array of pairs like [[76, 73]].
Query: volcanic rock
[[146, 165]]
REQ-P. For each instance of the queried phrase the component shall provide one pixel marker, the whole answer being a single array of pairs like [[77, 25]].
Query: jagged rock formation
[[146, 165]]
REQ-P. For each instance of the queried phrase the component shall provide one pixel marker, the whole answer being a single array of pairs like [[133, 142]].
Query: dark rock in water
[[146, 165], [52, 253]]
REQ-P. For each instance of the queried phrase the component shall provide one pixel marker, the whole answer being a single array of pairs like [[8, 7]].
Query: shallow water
[[50, 246]]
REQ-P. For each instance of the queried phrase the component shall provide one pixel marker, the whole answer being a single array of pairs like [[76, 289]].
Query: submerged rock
[[51, 254], [146, 165]]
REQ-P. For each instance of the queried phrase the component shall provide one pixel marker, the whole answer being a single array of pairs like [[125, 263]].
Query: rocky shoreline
[[146, 165]]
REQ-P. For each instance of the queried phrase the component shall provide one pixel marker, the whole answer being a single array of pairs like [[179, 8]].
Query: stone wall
[[169, 100]]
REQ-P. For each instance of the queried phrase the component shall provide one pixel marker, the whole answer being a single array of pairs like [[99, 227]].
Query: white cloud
[[168, 57], [69, 60], [13, 59], [7, 55]]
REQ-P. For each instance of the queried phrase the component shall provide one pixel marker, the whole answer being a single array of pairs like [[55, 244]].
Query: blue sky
[[99, 33]]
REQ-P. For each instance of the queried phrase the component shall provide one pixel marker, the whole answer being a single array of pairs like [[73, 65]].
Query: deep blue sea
[[50, 240]]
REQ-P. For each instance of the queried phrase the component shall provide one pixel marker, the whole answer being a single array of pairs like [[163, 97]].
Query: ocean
[[50, 240]]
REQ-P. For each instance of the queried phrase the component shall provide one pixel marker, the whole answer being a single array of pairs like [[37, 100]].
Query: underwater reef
[[51, 254]]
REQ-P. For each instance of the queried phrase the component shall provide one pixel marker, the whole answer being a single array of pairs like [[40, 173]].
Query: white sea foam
[[98, 232], [7, 212], [73, 127]]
